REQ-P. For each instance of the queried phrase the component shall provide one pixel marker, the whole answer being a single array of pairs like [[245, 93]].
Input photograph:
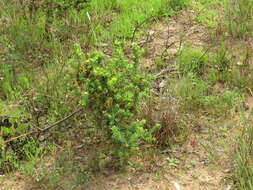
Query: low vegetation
[[72, 75]]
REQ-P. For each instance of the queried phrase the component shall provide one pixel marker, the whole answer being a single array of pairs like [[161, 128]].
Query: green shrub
[[113, 91]]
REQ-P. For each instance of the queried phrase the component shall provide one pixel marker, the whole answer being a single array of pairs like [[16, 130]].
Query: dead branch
[[167, 70], [44, 129], [138, 26]]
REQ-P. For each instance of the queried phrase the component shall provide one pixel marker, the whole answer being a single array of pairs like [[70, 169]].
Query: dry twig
[[44, 129]]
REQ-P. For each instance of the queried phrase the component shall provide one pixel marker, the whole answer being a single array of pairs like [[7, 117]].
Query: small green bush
[[114, 88]]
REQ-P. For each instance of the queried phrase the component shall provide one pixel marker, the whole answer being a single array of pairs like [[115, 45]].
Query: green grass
[[243, 160], [38, 81], [36, 43], [239, 15], [192, 60], [131, 14], [207, 11], [196, 95], [64, 171], [233, 17]]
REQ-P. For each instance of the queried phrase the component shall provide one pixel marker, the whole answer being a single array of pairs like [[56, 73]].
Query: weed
[[64, 173], [222, 60], [160, 63], [173, 162], [192, 92], [239, 18], [131, 14], [158, 176], [7, 81], [14, 121], [207, 12], [212, 157], [243, 161], [11, 85], [195, 95], [221, 68], [178, 4], [193, 61]]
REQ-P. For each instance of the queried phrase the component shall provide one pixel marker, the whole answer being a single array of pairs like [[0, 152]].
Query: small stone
[[151, 32], [162, 84], [239, 63]]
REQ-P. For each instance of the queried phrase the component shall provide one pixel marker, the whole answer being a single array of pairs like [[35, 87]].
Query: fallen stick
[[44, 129], [167, 70]]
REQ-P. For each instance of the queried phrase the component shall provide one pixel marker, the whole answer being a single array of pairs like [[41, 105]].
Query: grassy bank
[[72, 75]]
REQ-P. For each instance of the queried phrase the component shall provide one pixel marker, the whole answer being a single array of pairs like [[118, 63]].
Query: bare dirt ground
[[202, 163], [172, 34]]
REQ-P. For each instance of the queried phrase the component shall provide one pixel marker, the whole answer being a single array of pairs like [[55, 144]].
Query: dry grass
[[164, 111]]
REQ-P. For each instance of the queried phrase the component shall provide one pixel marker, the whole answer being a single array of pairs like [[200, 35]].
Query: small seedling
[[173, 162]]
